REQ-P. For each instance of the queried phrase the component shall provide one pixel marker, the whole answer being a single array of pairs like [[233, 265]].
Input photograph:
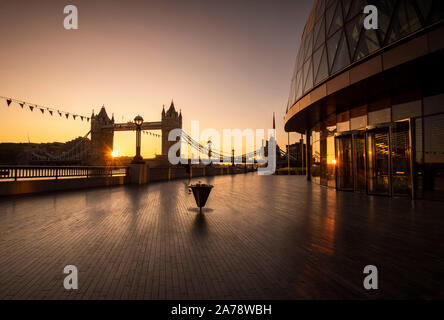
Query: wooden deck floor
[[260, 237]]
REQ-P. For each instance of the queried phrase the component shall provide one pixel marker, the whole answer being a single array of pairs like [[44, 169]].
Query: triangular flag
[[60, 114], [74, 116], [66, 115], [50, 112], [42, 110], [81, 117], [87, 119], [31, 107], [21, 104], [8, 101]]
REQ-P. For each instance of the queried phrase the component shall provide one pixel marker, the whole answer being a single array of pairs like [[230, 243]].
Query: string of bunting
[[151, 134], [42, 109]]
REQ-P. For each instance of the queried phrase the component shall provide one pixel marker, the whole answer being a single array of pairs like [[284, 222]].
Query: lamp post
[[138, 120]]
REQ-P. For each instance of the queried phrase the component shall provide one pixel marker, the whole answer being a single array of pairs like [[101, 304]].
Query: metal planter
[[201, 191]]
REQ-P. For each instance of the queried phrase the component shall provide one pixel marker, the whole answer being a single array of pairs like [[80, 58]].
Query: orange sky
[[225, 63]]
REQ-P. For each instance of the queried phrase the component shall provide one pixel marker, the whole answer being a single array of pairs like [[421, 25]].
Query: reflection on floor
[[274, 237]]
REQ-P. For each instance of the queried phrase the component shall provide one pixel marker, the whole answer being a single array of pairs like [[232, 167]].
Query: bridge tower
[[171, 119], [102, 137]]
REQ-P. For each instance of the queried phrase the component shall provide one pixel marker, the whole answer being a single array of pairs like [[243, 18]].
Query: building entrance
[[376, 160]]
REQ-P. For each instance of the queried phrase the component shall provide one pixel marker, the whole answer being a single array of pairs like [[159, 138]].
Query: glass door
[[400, 157], [378, 161], [344, 163], [359, 162]]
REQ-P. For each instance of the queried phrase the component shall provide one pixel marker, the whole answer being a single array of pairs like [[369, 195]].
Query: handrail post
[[15, 174], [57, 173]]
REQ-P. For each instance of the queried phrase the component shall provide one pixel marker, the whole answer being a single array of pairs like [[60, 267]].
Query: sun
[[115, 153]]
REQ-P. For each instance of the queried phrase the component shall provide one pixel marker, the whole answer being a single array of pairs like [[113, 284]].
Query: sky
[[226, 63]]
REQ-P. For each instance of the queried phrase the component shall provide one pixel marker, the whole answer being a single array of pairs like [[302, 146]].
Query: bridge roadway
[[276, 237]]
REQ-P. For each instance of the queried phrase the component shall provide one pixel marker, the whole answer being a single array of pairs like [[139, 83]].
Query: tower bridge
[[98, 150], [103, 128]]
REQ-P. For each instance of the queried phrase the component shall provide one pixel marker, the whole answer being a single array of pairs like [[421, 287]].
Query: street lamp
[[138, 120]]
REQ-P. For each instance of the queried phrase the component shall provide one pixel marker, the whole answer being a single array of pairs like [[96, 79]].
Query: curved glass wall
[[334, 36], [384, 147]]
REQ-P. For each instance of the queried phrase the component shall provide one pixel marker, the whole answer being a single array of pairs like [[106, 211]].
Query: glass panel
[[434, 157], [342, 57], [343, 121], [337, 20], [317, 59], [291, 97], [331, 162], [315, 170], [368, 43], [379, 116], [404, 21], [424, 7], [419, 159], [346, 6], [378, 167], [319, 34], [357, 7], [434, 104], [385, 10], [344, 164], [359, 162], [299, 85], [309, 83], [320, 9], [353, 31], [323, 68], [308, 46], [329, 15], [400, 148], [406, 110], [332, 45], [316, 162], [300, 59], [330, 2], [323, 149]]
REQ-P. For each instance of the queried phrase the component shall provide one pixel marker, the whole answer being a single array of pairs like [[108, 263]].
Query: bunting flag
[[42, 109]]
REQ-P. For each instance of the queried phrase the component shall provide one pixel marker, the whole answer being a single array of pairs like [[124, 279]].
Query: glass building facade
[[371, 102]]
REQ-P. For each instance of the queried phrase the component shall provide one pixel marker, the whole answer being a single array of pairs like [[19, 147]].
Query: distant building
[[171, 119], [102, 137], [71, 152]]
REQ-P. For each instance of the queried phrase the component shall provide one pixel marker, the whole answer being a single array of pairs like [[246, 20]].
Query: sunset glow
[[159, 51]]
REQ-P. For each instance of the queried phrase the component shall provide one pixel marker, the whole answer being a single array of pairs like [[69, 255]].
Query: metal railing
[[14, 173]]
